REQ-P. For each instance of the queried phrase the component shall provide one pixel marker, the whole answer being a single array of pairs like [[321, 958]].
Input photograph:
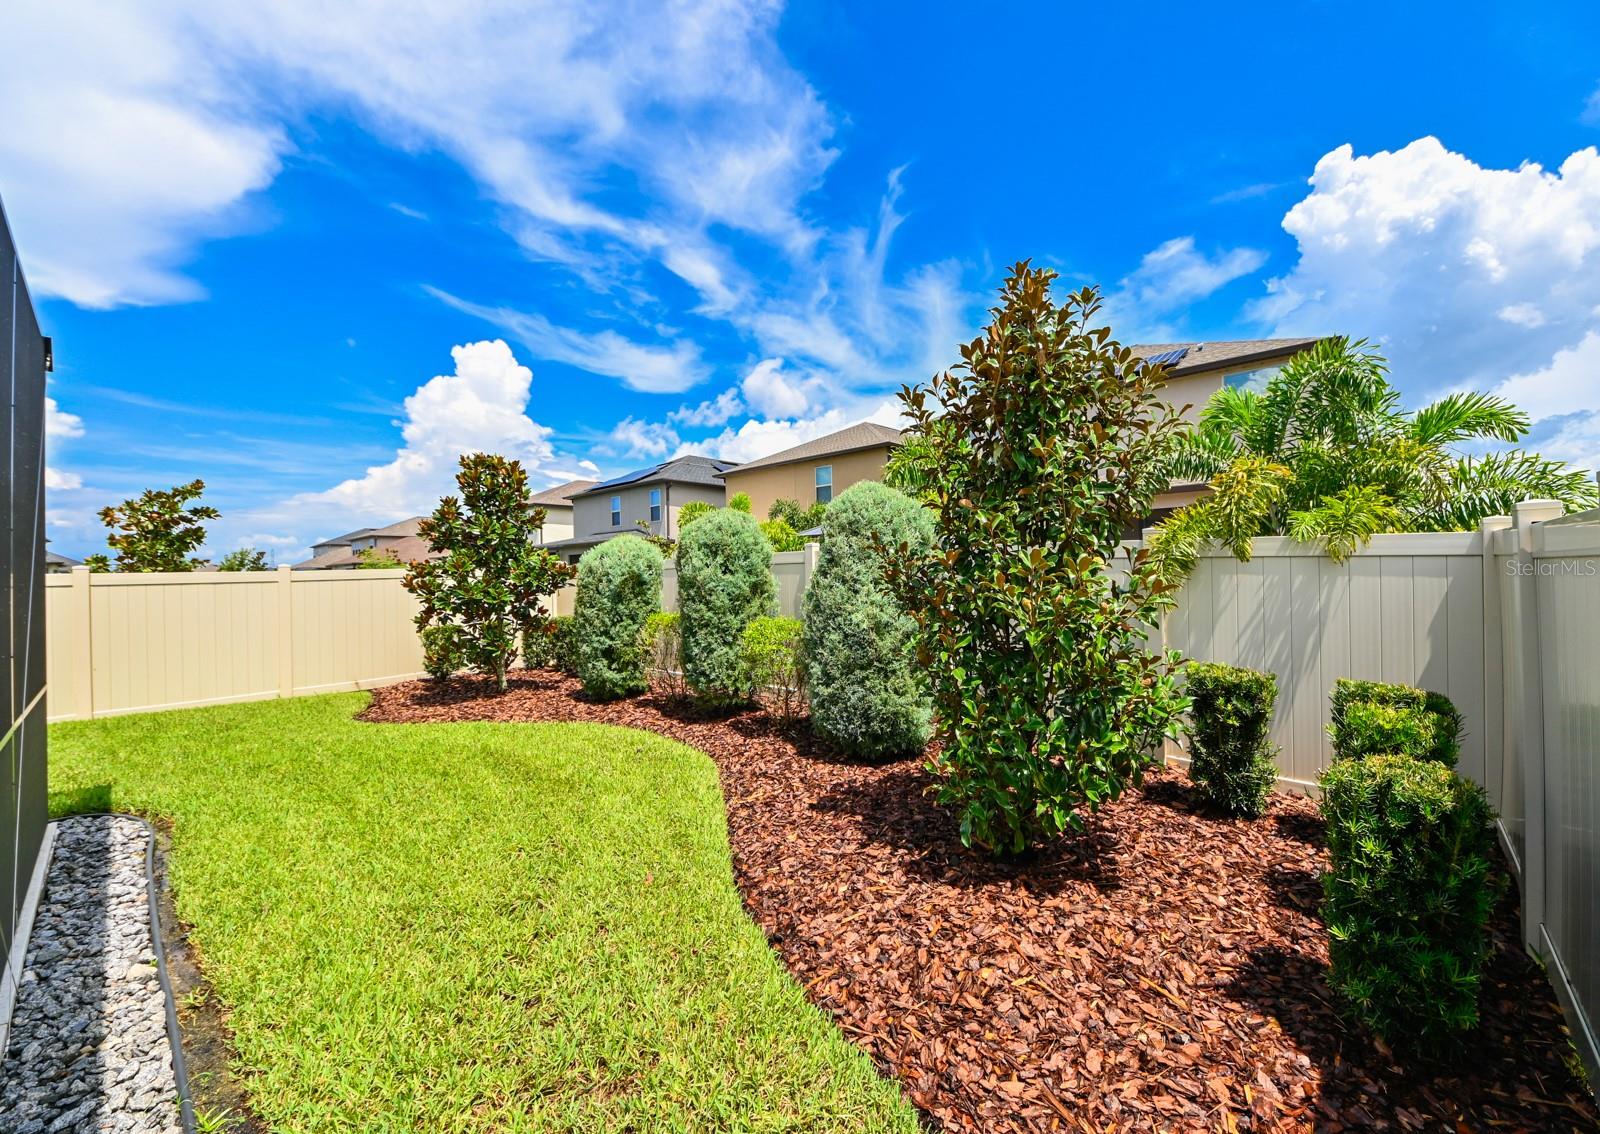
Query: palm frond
[[1460, 417], [1492, 485], [1346, 520]]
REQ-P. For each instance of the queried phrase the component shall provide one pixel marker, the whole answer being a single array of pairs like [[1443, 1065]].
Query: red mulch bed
[[1164, 970]]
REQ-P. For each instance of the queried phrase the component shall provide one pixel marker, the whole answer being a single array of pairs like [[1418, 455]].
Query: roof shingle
[[862, 435]]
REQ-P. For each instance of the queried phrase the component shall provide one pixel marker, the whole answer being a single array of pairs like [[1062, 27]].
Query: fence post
[[82, 650], [285, 631], [808, 568], [1530, 728], [1494, 659]]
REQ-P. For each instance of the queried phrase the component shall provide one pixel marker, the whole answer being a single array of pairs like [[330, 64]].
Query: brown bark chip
[[1164, 970]]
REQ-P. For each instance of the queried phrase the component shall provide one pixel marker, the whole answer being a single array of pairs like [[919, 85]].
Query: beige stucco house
[[649, 496], [1199, 370], [398, 541], [557, 505], [817, 471]]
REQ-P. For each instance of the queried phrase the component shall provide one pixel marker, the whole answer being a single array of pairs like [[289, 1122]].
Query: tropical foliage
[[1325, 454], [782, 536], [1052, 438], [490, 580], [798, 518], [243, 559]]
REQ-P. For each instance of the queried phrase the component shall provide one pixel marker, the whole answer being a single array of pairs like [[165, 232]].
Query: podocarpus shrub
[[619, 587], [1231, 759], [1046, 443], [724, 582], [442, 655], [1369, 717], [1408, 895], [663, 661], [771, 653], [867, 696]]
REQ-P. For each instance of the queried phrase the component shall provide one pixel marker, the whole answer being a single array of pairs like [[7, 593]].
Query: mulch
[[1164, 970]]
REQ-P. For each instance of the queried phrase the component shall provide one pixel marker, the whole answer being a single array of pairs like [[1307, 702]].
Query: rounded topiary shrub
[[619, 588], [1408, 895], [1375, 717], [1230, 758], [772, 654], [724, 582], [867, 696]]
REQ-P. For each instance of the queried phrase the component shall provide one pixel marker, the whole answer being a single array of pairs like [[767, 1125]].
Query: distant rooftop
[[558, 497], [1191, 358], [863, 435], [680, 470]]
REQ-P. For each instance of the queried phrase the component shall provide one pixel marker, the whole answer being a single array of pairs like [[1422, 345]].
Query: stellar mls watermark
[[1550, 568]]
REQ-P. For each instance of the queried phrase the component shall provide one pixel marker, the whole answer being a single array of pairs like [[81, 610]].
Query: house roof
[[680, 470], [862, 435], [401, 540], [557, 497], [1192, 358], [346, 538], [56, 559], [591, 540]]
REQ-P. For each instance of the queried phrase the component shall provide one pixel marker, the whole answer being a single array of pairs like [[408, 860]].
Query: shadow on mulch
[[1165, 970]]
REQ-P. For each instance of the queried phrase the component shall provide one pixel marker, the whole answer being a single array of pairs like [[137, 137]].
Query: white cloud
[[633, 438], [666, 369], [60, 481], [713, 411], [1566, 392], [1591, 109], [60, 424], [770, 392], [1170, 278], [481, 407], [758, 438], [1431, 254]]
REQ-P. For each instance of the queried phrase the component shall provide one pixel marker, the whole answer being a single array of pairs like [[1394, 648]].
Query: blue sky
[[311, 257]]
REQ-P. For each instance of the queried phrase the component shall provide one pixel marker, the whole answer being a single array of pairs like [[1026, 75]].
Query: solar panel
[[1167, 357]]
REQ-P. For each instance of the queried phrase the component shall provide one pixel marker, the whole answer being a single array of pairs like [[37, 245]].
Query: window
[[616, 511], [1252, 380], [824, 483], [655, 506], [573, 559]]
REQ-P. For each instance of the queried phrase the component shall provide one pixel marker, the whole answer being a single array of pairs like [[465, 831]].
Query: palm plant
[[1325, 454]]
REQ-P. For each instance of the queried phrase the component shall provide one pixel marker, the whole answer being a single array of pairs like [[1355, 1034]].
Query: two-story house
[[398, 541], [557, 505], [650, 497], [816, 471]]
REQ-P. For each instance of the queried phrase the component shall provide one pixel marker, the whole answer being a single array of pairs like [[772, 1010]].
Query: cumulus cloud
[[60, 424], [1467, 275], [711, 412], [771, 392], [757, 438], [633, 438], [480, 407]]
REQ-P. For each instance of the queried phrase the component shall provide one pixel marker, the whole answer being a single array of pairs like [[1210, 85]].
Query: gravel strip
[[89, 1049]]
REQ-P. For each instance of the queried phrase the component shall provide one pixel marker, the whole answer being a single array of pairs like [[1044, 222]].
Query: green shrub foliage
[[724, 581], [1043, 446], [663, 659], [740, 502], [551, 643], [1371, 717], [490, 579], [1231, 759], [619, 587], [789, 511], [781, 536], [867, 695], [771, 653], [691, 512], [442, 656], [1408, 895]]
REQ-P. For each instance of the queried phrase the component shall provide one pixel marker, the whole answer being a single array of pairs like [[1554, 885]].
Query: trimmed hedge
[[551, 644], [772, 655], [442, 655], [663, 660], [1370, 717], [724, 582], [1408, 896], [619, 587], [1231, 760], [867, 694]]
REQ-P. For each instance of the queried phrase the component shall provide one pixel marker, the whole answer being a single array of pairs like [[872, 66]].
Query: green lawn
[[472, 926]]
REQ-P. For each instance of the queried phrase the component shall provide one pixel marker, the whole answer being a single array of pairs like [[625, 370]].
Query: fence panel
[[1406, 608]]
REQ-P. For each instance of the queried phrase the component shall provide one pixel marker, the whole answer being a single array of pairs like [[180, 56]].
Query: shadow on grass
[[88, 800]]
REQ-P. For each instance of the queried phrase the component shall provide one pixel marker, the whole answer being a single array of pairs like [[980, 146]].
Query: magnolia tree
[[1041, 447], [156, 531], [486, 587]]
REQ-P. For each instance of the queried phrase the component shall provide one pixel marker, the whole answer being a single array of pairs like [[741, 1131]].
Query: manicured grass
[[508, 927]]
